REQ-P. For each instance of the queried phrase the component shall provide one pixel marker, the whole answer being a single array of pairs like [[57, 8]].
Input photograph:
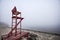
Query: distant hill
[[3, 24]]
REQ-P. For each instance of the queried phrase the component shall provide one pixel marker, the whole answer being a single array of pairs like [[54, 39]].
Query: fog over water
[[41, 15]]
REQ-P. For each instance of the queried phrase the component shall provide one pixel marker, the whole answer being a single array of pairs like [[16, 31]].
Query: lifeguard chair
[[15, 12], [14, 34]]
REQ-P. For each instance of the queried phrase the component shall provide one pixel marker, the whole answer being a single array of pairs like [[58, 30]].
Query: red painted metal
[[14, 34]]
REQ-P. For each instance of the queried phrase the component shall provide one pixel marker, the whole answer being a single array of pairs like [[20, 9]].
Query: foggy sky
[[42, 15]]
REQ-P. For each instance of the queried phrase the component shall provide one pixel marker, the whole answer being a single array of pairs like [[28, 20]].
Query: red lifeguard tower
[[14, 34]]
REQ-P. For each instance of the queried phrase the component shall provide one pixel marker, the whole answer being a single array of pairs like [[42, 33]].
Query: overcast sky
[[42, 15]]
